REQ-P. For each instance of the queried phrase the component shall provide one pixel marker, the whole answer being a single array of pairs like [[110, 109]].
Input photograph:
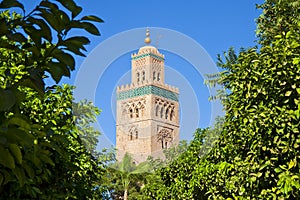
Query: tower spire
[[147, 39]]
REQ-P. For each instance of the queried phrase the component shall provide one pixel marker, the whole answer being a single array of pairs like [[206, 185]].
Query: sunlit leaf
[[92, 18]]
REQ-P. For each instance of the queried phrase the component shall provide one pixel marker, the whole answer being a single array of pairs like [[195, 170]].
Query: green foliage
[[278, 17], [257, 154], [125, 179], [84, 115], [58, 164], [177, 179], [42, 155], [174, 151], [170, 155]]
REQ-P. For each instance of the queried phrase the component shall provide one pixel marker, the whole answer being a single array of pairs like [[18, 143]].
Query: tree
[[84, 115], [174, 151], [125, 179], [257, 154], [173, 181], [66, 168], [40, 147], [261, 130]]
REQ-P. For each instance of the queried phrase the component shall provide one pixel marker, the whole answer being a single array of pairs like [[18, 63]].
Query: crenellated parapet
[[131, 86], [148, 51]]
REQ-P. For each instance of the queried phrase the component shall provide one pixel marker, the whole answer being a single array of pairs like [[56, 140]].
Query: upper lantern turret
[[147, 65]]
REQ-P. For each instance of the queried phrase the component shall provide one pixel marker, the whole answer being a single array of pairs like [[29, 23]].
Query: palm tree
[[126, 176]]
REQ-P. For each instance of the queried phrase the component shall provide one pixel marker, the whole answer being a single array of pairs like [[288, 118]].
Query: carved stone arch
[[138, 77], [139, 109], [165, 105], [131, 108], [172, 114], [165, 137], [136, 134], [158, 76], [138, 104], [161, 111], [130, 112], [133, 133], [143, 75], [156, 110], [167, 113], [130, 135], [136, 110]]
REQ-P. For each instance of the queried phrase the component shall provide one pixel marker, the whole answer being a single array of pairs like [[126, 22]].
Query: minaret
[[147, 118]]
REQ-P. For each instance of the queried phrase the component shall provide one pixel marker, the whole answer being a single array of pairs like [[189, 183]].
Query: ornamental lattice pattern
[[165, 137], [149, 89], [133, 108], [148, 54]]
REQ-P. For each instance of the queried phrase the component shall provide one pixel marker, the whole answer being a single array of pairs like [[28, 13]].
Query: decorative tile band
[[148, 54], [149, 89]]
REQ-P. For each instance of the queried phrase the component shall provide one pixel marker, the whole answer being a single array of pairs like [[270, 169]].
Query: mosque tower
[[147, 120]]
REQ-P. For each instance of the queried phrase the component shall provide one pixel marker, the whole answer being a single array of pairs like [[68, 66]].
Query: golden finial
[[147, 39]]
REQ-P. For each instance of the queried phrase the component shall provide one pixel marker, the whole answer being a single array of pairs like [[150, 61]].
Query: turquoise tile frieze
[[149, 89], [148, 54]]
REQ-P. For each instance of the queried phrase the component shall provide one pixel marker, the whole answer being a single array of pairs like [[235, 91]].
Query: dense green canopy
[[46, 140], [257, 153]]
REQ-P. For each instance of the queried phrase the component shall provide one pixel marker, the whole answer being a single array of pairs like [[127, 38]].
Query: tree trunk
[[126, 194]]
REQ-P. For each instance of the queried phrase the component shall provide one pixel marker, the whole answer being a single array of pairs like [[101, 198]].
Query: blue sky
[[214, 25]]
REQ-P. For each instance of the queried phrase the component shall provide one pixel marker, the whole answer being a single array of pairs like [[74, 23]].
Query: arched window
[[131, 113], [136, 134], [164, 136], [156, 110], [162, 112], [143, 75], [136, 112], [167, 113], [131, 136], [172, 115], [138, 77], [158, 76], [154, 76]]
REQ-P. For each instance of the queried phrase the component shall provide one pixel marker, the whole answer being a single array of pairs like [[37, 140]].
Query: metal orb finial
[[147, 39]]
